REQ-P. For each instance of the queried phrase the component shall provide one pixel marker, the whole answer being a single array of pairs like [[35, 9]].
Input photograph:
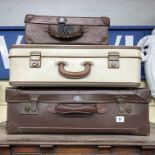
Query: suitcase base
[[91, 144]]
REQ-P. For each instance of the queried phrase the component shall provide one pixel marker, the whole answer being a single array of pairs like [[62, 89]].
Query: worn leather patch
[[102, 108]]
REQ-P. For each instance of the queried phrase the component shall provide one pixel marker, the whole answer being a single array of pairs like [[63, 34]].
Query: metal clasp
[[35, 59], [121, 102], [34, 103], [61, 20], [63, 28], [125, 108], [113, 60], [31, 107]]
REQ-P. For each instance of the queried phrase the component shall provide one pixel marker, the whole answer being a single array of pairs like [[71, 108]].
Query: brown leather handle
[[74, 75], [83, 108], [75, 108], [65, 32]]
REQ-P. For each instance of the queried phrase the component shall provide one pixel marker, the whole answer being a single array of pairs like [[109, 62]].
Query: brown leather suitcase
[[76, 144], [78, 111], [66, 30]]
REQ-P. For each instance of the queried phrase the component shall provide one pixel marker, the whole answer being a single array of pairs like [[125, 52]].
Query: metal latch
[[61, 20], [125, 108], [35, 59], [30, 107], [113, 60], [121, 101], [62, 27]]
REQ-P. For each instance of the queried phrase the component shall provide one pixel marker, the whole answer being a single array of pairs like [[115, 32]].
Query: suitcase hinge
[[35, 59], [31, 107], [113, 60]]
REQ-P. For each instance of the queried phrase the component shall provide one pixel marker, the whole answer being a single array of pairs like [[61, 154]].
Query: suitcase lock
[[35, 59], [113, 60], [62, 27], [30, 107]]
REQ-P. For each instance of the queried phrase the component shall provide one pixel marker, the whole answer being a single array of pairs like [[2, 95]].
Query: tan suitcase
[[76, 65]]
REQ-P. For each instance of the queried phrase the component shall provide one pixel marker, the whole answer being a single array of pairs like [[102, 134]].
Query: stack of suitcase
[[66, 79]]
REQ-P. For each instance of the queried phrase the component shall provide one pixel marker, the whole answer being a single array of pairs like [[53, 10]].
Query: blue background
[[11, 33]]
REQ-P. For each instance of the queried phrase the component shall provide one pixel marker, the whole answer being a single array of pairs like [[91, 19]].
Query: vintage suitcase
[[75, 65], [78, 111], [76, 144], [66, 30]]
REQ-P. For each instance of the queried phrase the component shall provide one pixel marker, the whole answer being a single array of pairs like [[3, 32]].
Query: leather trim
[[92, 21], [132, 95], [15, 56], [71, 84], [80, 130], [74, 46]]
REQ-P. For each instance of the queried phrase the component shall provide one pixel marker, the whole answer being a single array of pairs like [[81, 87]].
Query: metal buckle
[[35, 59], [113, 60]]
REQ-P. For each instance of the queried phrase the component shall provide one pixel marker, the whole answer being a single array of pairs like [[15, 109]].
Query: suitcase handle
[[74, 75], [75, 108], [65, 32]]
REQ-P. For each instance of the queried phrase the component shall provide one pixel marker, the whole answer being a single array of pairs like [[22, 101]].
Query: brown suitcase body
[[78, 111], [66, 30]]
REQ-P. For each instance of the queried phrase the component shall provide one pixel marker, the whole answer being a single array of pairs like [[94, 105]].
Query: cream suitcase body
[[74, 65]]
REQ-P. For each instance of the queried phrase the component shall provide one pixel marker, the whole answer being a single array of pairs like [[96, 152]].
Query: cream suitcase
[[74, 65]]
